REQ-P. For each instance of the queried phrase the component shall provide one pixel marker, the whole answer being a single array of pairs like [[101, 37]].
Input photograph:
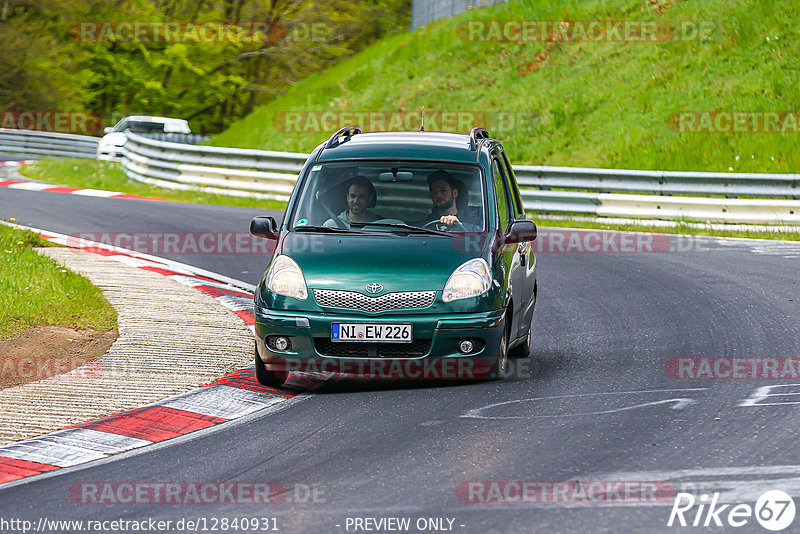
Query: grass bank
[[566, 101], [36, 291]]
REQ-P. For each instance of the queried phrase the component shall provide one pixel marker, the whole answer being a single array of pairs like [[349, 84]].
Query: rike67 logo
[[774, 510]]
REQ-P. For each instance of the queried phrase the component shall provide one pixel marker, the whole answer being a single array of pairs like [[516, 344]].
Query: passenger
[[444, 195], [361, 196]]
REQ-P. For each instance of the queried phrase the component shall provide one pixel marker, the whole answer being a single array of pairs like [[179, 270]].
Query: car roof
[[441, 146], [147, 118]]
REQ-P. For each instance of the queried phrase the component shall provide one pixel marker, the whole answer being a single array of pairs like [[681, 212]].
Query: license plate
[[384, 333]]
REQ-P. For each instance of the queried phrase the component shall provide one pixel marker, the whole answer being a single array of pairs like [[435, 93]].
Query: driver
[[360, 197], [444, 195]]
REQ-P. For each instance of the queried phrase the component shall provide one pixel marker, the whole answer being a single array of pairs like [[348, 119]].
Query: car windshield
[[141, 127], [392, 196]]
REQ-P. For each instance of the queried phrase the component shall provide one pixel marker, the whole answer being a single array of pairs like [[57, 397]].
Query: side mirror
[[108, 130], [520, 232], [264, 226]]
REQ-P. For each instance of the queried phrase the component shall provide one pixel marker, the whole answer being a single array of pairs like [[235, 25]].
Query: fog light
[[465, 346], [278, 343]]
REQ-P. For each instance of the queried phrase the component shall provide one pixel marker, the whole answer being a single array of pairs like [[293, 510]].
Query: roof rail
[[475, 135], [349, 131]]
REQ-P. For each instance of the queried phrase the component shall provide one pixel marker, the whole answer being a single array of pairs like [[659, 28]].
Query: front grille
[[346, 349], [390, 301]]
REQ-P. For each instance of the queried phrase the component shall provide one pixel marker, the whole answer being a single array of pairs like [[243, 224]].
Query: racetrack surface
[[597, 405]]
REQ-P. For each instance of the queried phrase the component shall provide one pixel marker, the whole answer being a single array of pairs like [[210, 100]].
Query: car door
[[510, 258], [524, 249]]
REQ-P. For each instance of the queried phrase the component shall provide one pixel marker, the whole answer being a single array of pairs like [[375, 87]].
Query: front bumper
[[109, 152], [433, 354]]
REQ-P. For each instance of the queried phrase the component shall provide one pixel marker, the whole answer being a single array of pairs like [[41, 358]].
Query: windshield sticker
[[302, 222], [316, 168]]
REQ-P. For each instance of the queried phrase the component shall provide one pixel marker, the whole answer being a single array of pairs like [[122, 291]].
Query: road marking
[[222, 401], [30, 186], [154, 423], [50, 188], [13, 469], [95, 193], [679, 403], [734, 484], [94, 440], [764, 392], [49, 452]]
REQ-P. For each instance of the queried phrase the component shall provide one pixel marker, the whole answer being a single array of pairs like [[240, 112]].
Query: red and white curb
[[17, 163], [49, 188], [232, 396]]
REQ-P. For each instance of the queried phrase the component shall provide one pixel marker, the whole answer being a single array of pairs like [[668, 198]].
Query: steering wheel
[[442, 227]]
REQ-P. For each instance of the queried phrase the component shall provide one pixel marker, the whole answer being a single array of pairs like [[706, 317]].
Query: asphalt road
[[596, 404], [121, 222]]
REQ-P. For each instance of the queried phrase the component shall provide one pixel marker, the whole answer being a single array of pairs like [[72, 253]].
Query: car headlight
[[284, 277], [471, 279]]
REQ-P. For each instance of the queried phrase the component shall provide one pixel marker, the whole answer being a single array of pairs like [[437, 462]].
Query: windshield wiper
[[333, 230], [402, 226]]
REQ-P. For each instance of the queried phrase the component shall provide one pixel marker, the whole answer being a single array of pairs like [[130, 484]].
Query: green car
[[400, 255]]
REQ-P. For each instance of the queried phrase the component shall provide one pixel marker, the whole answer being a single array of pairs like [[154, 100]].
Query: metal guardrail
[[660, 182], [230, 171], [717, 197], [71, 145], [704, 196], [47, 143], [174, 137]]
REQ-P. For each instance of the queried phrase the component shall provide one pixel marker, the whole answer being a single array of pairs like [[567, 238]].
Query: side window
[[500, 193], [512, 184]]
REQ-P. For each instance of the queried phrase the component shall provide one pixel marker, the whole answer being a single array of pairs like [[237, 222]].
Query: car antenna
[[422, 125]]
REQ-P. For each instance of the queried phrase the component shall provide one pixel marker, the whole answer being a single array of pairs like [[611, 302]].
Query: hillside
[[604, 100]]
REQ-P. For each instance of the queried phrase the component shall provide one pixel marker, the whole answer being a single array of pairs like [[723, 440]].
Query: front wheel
[[266, 377], [500, 367], [523, 350]]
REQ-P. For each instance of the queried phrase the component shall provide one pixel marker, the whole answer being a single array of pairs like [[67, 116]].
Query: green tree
[[46, 64]]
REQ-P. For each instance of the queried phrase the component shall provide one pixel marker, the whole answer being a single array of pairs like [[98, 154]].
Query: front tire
[[500, 367], [523, 350], [266, 377]]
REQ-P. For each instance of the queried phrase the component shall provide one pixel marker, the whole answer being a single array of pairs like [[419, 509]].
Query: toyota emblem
[[374, 287]]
